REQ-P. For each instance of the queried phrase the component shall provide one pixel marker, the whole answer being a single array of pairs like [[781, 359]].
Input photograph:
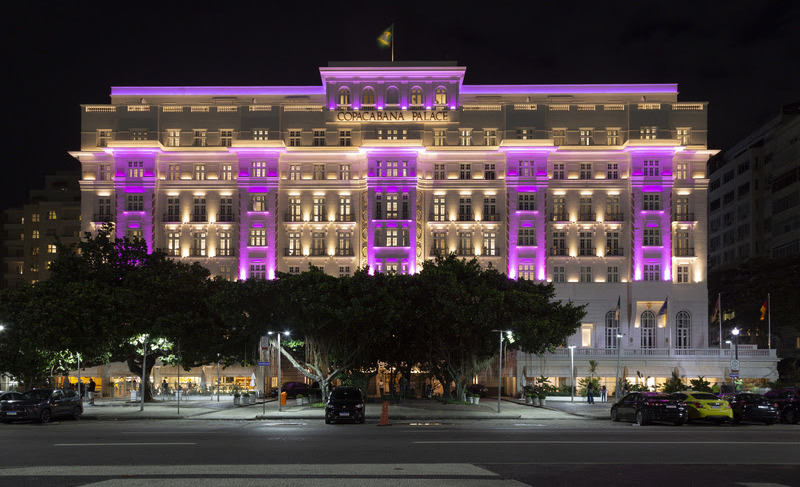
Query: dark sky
[[742, 57]]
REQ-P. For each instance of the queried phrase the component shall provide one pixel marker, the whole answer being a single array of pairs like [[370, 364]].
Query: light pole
[[500, 370], [144, 368], [735, 332], [218, 381], [571, 373], [279, 363], [619, 354]]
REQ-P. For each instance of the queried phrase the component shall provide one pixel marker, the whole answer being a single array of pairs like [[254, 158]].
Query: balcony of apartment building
[[559, 216], [199, 218], [292, 218], [197, 252], [466, 217], [466, 252], [725, 353], [230, 252], [587, 217], [614, 217], [615, 252], [436, 252], [491, 217], [171, 218], [102, 218], [318, 252], [436, 218], [344, 252], [558, 252], [292, 252], [345, 217], [684, 216], [587, 251], [684, 252], [226, 217], [490, 252]]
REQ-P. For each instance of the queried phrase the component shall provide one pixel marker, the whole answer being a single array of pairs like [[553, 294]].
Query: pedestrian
[[82, 389], [603, 394], [590, 393], [715, 389], [403, 388], [90, 389]]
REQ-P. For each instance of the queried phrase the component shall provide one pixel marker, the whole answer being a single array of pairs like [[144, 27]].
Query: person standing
[[90, 389], [590, 393], [603, 394]]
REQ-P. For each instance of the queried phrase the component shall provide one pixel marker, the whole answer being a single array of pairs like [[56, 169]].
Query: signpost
[[264, 404], [263, 364]]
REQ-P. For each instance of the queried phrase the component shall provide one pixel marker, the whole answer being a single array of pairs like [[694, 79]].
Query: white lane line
[[123, 444], [306, 482], [601, 442]]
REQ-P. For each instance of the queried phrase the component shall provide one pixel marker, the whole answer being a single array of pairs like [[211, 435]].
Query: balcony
[[487, 252], [290, 252], [558, 217], [318, 253], [587, 251], [438, 252], [199, 218], [491, 217], [615, 217], [558, 252], [614, 252], [197, 252], [171, 218], [433, 217], [226, 252], [345, 218], [225, 218], [344, 252], [684, 252], [683, 217], [103, 218], [587, 217], [663, 352], [464, 217], [466, 252], [292, 218]]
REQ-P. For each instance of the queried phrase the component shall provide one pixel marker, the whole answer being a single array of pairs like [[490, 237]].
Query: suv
[[345, 403], [42, 405]]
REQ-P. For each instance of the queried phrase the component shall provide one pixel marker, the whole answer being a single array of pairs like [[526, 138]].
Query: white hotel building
[[600, 189]]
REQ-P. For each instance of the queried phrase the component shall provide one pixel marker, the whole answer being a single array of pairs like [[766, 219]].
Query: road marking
[[601, 442], [123, 444], [306, 482]]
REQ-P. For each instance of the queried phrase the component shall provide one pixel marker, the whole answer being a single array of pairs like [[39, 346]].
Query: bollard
[[283, 399], [384, 414]]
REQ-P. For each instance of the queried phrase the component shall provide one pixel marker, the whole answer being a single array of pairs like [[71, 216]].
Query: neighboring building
[[600, 189], [754, 194], [30, 233]]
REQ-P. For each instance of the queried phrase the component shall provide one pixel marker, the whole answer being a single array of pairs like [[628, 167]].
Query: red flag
[[763, 310], [716, 310]]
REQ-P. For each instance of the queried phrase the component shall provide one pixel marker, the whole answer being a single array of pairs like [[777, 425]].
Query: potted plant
[[476, 399], [529, 398], [245, 398], [236, 398], [299, 400], [542, 398]]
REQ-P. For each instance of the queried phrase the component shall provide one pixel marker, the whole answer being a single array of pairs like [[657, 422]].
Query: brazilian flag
[[385, 39]]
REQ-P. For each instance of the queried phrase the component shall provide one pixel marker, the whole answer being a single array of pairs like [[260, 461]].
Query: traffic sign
[[263, 364], [734, 364], [265, 342], [734, 375]]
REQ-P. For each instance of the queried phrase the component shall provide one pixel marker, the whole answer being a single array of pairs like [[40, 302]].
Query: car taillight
[[698, 405]]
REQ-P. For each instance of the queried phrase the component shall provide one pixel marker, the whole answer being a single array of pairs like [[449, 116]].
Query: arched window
[[416, 97], [441, 96], [612, 329], [683, 325], [648, 330], [392, 96], [344, 97], [368, 98]]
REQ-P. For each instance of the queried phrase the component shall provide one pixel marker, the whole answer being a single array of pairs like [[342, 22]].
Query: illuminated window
[[439, 243], [34, 218], [199, 173], [226, 137], [258, 169], [294, 209], [294, 137], [559, 212], [345, 214], [585, 241], [51, 248], [135, 169], [199, 209], [490, 209], [465, 209], [258, 237], [138, 134], [319, 172], [344, 98], [490, 243], [612, 329], [439, 209], [344, 172], [649, 132], [651, 272], [103, 137], [199, 137], [648, 339], [345, 138], [612, 136], [612, 274], [198, 244], [441, 96], [586, 137], [525, 169], [134, 233], [173, 137], [439, 137], [368, 99], [343, 243], [293, 244], [526, 271], [684, 135], [226, 172], [525, 134], [586, 335], [260, 134], [465, 243], [490, 136], [559, 136], [652, 237], [683, 324], [294, 172], [258, 202], [104, 172], [318, 243], [319, 138], [391, 206], [682, 170], [585, 209], [34, 250], [318, 210], [612, 243], [416, 98], [465, 137], [439, 171], [173, 172], [52, 215]]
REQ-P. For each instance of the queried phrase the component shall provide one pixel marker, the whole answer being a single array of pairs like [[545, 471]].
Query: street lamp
[[572, 372], [279, 363], [500, 370], [619, 354], [735, 332], [218, 381]]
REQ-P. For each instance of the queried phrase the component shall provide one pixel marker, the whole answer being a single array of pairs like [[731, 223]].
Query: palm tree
[[593, 367]]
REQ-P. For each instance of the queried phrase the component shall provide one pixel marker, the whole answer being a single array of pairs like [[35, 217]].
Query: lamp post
[[218, 381], [735, 332], [279, 363], [619, 354], [572, 372], [500, 370], [144, 368]]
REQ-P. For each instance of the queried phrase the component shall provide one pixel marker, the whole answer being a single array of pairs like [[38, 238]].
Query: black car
[[478, 389], [791, 413], [782, 399], [9, 395], [751, 407], [292, 389], [646, 407], [42, 405], [346, 403]]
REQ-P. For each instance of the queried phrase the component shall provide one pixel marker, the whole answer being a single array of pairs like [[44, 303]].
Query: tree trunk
[[136, 368]]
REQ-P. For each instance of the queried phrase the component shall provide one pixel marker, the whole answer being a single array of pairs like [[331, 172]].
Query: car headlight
[[359, 406]]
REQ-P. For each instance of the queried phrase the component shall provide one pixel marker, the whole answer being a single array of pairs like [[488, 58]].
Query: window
[[490, 243], [343, 246], [558, 171], [198, 244], [681, 170], [559, 243], [586, 336], [135, 169], [34, 250], [651, 201], [226, 172], [465, 172], [104, 172], [526, 201], [258, 169], [378, 207], [52, 215], [559, 213], [173, 138], [683, 274], [319, 172], [585, 242], [612, 274], [391, 206], [651, 272], [464, 209], [199, 210], [612, 136], [559, 136], [392, 96], [652, 237], [173, 210], [613, 212], [490, 209], [225, 249], [103, 137], [317, 243], [612, 329], [439, 171], [489, 172], [258, 237], [258, 271], [344, 214], [683, 325], [226, 137], [586, 137], [345, 138], [51, 248], [174, 243], [294, 269], [490, 136], [368, 99], [319, 138], [343, 101], [586, 170], [684, 135], [439, 243], [392, 238], [648, 329], [683, 243], [258, 202], [415, 99], [199, 173], [439, 209], [103, 208], [526, 271], [612, 171], [34, 218], [294, 137], [294, 172], [344, 271], [559, 274], [293, 244], [648, 133], [134, 202], [651, 168], [526, 237], [294, 209], [585, 209], [318, 210], [525, 134], [133, 233], [525, 169], [260, 134], [465, 137], [344, 172], [440, 96], [439, 137], [174, 172], [465, 243], [586, 273], [199, 137]]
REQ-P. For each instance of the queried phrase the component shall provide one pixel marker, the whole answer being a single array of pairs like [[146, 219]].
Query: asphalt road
[[576, 451]]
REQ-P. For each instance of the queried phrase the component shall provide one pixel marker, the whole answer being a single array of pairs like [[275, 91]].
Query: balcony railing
[[171, 218], [555, 251], [290, 252], [289, 217], [225, 217], [344, 252], [725, 353], [587, 217], [437, 218], [197, 252], [318, 252], [345, 218], [226, 252], [615, 252], [683, 217], [486, 252], [465, 252], [491, 217], [103, 218], [684, 252], [465, 217], [199, 217], [558, 217], [437, 252], [585, 251], [614, 217]]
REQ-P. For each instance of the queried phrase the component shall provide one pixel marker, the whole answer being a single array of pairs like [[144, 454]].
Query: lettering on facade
[[393, 116]]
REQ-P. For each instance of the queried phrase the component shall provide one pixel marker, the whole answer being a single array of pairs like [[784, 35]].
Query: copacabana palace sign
[[393, 116]]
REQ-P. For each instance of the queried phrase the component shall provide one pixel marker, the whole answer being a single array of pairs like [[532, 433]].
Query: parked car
[[42, 405], [705, 406], [782, 398], [292, 389], [646, 407], [346, 403], [478, 389], [747, 406], [9, 395], [791, 413]]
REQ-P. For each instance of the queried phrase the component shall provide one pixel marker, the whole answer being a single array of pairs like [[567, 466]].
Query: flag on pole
[[616, 313], [385, 39], [716, 311], [663, 309], [763, 311]]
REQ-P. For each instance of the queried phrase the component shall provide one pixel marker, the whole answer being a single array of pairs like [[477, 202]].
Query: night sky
[[742, 57]]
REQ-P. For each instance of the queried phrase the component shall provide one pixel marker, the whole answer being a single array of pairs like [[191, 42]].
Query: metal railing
[[102, 218], [345, 218], [491, 217], [684, 252], [558, 217], [171, 218], [289, 252], [614, 217], [289, 217], [587, 217], [587, 251], [615, 252], [348, 252], [199, 217], [226, 217], [558, 251], [664, 352], [683, 217]]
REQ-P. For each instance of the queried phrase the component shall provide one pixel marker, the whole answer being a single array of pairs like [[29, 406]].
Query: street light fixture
[[279, 363], [572, 372], [500, 370]]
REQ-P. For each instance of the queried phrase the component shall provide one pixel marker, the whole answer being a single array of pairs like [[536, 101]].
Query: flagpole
[[719, 300], [391, 41], [769, 323]]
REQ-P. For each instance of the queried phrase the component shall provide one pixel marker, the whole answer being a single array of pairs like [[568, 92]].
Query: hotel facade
[[600, 189]]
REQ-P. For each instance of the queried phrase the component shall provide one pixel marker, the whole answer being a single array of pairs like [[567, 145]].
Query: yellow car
[[704, 405]]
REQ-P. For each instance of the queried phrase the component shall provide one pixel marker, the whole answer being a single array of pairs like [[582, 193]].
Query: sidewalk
[[413, 410], [578, 407]]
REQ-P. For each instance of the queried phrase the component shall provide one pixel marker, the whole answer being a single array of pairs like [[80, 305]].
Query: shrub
[[700, 384], [673, 384]]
